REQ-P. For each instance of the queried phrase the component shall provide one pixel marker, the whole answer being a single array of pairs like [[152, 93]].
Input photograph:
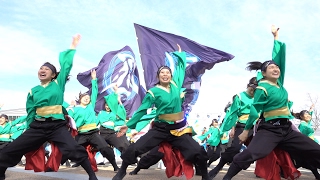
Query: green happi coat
[[46, 101], [9, 131], [18, 128], [145, 120], [85, 116], [214, 138], [271, 100], [238, 112], [116, 117], [306, 129], [165, 101]]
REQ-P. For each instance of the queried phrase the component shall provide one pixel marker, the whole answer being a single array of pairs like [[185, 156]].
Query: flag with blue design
[[117, 67], [156, 49]]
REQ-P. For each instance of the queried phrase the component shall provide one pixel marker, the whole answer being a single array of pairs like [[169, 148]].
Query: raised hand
[[274, 31], [115, 88], [75, 41], [179, 48], [311, 107], [93, 74], [73, 103]]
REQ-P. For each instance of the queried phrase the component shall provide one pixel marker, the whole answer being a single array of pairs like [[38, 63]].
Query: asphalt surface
[[106, 173]]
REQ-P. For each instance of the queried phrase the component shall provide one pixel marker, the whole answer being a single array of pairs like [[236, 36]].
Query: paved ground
[[106, 173]]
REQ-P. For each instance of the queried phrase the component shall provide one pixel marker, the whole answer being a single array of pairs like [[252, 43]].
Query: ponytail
[[254, 66]]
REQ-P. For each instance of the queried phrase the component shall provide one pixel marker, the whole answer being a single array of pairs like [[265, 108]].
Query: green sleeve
[[77, 120], [119, 122], [94, 92], [142, 124], [112, 101], [256, 108], [65, 104], [31, 111], [231, 117], [122, 112], [65, 60], [100, 118], [19, 120], [311, 113], [214, 138], [180, 70], [305, 129], [147, 102], [279, 57], [290, 103], [204, 136]]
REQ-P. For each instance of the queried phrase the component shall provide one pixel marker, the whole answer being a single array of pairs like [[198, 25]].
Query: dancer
[[235, 120], [86, 122], [45, 118], [9, 130], [154, 155], [213, 142], [113, 117], [271, 102], [305, 126], [169, 124]]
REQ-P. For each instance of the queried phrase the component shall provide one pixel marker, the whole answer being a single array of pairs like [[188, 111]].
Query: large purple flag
[[117, 67], [156, 49]]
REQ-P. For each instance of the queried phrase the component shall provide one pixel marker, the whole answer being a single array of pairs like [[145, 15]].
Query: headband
[[266, 64], [50, 66], [163, 67]]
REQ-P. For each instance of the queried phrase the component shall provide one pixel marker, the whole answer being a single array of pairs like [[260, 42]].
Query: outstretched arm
[[279, 53], [75, 41], [66, 62], [94, 90]]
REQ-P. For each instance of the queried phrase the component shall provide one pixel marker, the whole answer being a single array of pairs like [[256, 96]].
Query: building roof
[[14, 112]]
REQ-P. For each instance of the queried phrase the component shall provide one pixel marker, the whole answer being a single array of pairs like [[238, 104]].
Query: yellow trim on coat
[[149, 91], [48, 110], [5, 136], [244, 117], [262, 88], [108, 123], [172, 117], [87, 127], [312, 137], [269, 82], [284, 111]]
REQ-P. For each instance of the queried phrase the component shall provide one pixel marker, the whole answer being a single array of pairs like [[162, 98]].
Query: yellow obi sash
[[172, 117], [87, 127], [277, 112], [48, 110]]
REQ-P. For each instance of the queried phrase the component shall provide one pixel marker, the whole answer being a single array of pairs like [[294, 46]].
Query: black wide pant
[[150, 159], [213, 153], [235, 147], [121, 143], [189, 148], [282, 136], [3, 144], [33, 138], [93, 138]]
